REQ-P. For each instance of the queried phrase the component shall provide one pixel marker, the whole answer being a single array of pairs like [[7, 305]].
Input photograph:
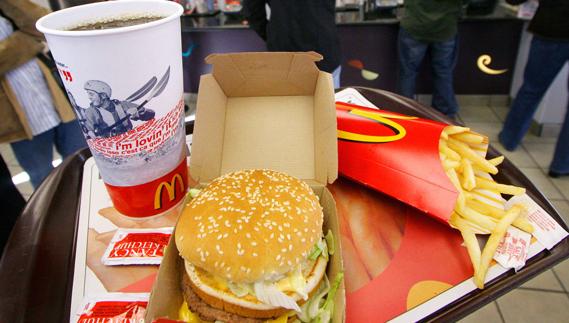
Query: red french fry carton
[[397, 155]]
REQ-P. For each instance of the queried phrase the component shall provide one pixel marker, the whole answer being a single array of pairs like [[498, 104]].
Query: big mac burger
[[253, 250]]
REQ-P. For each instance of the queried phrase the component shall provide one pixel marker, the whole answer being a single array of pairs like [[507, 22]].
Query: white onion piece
[[270, 294]]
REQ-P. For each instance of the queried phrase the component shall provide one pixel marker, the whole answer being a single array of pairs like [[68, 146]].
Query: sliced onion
[[271, 295]]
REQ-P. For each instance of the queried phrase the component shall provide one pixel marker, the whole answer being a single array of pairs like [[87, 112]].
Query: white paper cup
[[126, 86]]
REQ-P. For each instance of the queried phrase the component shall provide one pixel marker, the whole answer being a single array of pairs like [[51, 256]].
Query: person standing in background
[[430, 26], [12, 204], [34, 113], [298, 25], [549, 52]]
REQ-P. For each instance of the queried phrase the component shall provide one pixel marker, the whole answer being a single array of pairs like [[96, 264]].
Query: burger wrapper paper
[[397, 155], [167, 297]]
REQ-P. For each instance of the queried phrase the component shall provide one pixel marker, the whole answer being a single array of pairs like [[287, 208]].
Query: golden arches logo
[[170, 189], [381, 118], [483, 62]]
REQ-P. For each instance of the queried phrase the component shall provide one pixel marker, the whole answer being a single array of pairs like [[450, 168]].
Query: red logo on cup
[[66, 75], [170, 189], [151, 198]]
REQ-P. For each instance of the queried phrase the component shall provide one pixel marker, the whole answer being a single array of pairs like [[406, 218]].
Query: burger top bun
[[250, 225]]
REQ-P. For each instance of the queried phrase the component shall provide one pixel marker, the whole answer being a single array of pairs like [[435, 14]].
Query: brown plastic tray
[[36, 271]]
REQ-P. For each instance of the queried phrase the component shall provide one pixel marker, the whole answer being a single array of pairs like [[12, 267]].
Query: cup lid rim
[[40, 24]]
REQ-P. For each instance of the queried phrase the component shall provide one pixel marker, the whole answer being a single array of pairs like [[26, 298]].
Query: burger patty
[[208, 313]]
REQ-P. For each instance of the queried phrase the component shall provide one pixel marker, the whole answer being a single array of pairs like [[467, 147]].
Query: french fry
[[485, 208], [453, 130], [496, 161], [444, 149], [502, 188], [523, 224], [471, 138], [472, 226], [451, 173], [484, 221], [493, 242], [470, 240], [468, 180], [450, 164], [497, 213], [477, 209], [461, 200], [466, 152]]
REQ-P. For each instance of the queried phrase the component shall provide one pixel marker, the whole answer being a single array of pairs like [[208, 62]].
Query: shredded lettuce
[[240, 289], [324, 247], [328, 308], [315, 252], [309, 310], [319, 249], [318, 309], [330, 242]]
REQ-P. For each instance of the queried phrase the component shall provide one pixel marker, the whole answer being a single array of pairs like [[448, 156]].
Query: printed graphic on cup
[[126, 85]]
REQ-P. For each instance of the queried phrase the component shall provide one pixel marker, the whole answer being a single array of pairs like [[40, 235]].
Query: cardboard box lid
[[265, 110], [265, 74]]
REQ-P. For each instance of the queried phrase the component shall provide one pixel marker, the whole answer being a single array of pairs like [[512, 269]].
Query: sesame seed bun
[[250, 226]]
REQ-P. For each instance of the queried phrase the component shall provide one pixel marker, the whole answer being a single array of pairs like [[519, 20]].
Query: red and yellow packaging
[[137, 247], [397, 155], [114, 308]]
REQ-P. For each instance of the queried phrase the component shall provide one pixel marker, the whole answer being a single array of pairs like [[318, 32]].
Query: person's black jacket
[[297, 25], [551, 19]]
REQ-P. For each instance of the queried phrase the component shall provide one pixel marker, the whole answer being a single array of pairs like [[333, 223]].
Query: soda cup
[[126, 87]]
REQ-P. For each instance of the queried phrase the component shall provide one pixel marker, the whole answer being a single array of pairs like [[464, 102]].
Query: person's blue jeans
[[443, 60], [545, 60], [336, 76], [35, 155]]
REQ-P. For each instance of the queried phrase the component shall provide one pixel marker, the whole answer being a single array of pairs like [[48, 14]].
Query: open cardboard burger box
[[261, 110]]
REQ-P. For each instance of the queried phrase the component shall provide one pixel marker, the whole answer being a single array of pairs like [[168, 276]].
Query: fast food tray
[[36, 271]]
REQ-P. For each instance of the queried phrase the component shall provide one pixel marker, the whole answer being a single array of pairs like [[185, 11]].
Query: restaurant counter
[[488, 42]]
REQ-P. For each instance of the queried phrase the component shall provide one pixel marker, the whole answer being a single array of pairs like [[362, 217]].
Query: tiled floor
[[543, 299]]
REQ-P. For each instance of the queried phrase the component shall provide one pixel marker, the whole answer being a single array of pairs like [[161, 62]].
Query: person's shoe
[[555, 174], [508, 148]]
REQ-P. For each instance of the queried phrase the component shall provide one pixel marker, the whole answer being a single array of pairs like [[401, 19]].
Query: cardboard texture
[[261, 110], [397, 155], [241, 123]]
